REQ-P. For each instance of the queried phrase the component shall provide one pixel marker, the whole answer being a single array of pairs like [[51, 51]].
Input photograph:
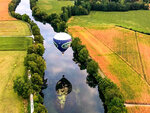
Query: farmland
[[53, 6], [14, 28], [137, 20], [14, 40], [4, 15], [138, 109], [11, 63], [14, 43], [114, 60]]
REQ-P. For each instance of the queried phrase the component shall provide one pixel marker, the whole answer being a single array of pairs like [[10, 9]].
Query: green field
[[14, 43], [138, 20], [14, 28], [53, 6], [12, 65]]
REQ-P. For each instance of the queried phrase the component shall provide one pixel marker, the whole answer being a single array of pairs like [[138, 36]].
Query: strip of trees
[[109, 92], [33, 62], [83, 7]]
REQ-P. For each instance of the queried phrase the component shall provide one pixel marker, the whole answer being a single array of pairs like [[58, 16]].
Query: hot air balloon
[[63, 88], [62, 41]]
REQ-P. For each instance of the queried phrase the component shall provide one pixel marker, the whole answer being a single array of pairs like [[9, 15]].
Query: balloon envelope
[[62, 41]]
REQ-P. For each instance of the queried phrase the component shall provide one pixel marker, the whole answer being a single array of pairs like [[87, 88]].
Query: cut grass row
[[53, 6], [12, 65], [14, 28], [14, 43]]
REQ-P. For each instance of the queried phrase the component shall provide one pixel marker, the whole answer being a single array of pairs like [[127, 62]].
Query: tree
[[36, 48], [92, 67], [35, 63], [75, 44], [36, 82], [39, 108], [38, 39], [38, 99], [83, 55], [25, 17], [118, 105], [21, 87]]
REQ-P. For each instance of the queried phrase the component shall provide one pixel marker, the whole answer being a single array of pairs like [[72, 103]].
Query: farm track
[[137, 104], [141, 59]]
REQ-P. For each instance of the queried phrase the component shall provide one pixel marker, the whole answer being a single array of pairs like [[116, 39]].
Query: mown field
[[14, 43], [112, 59], [14, 28], [53, 6], [4, 15], [12, 65], [137, 20]]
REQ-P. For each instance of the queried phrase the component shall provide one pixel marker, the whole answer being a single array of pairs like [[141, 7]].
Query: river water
[[82, 98]]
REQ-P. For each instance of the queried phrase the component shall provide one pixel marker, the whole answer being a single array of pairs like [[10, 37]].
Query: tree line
[[33, 62], [83, 7], [108, 91]]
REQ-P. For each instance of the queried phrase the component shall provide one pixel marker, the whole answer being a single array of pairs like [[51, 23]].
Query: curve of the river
[[81, 97]]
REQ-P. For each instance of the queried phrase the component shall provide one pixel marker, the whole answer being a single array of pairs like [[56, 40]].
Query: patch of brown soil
[[138, 109], [4, 14]]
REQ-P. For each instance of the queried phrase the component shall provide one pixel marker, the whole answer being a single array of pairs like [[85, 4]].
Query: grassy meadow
[[12, 65], [14, 28], [53, 6], [14, 43], [137, 20]]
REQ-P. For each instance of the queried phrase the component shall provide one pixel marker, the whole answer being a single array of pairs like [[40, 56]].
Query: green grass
[[137, 20], [14, 43], [53, 6], [12, 65], [14, 28]]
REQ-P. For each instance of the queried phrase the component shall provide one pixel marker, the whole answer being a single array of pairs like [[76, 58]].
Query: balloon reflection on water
[[63, 88]]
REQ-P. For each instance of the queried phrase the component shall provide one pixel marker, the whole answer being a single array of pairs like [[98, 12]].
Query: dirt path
[[137, 104]]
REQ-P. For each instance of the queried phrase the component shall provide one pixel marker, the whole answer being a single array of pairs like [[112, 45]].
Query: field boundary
[[133, 30]]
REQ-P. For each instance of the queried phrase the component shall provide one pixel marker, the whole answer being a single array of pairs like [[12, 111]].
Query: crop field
[[138, 109], [137, 20], [53, 6], [4, 15], [119, 62], [14, 28], [12, 65], [14, 43]]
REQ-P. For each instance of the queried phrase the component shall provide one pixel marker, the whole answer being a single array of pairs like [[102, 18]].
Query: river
[[82, 98]]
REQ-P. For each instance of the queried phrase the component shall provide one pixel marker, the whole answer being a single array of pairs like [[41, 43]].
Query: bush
[[39, 108], [36, 82], [92, 68], [35, 63], [36, 48], [22, 87]]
